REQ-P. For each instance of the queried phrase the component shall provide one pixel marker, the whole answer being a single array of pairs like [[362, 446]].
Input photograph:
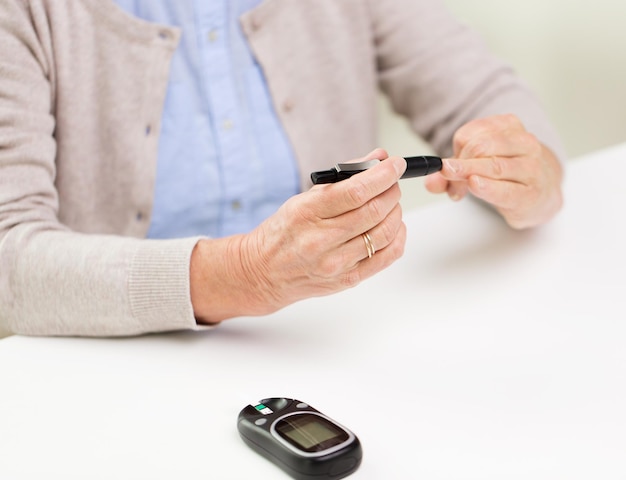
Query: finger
[[340, 259], [338, 198], [515, 169], [476, 133], [380, 236], [457, 190], [362, 219], [436, 183], [504, 143], [377, 153], [382, 259], [502, 194]]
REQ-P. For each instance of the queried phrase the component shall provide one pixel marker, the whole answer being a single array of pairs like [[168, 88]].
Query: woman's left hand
[[498, 161]]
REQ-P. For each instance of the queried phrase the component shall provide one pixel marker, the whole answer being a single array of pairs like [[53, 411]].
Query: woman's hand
[[498, 161], [313, 245]]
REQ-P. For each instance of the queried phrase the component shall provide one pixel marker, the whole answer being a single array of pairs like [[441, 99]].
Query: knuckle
[[518, 218], [307, 242], [499, 166], [486, 123], [516, 222], [351, 278], [379, 153], [400, 241], [396, 252], [399, 251], [395, 249], [330, 267], [477, 147], [460, 138], [534, 145], [529, 142], [303, 215], [510, 119], [388, 233], [300, 212], [357, 193], [374, 211]]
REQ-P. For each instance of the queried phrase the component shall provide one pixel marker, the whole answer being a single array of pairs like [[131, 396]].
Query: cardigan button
[[288, 105], [165, 34], [255, 24]]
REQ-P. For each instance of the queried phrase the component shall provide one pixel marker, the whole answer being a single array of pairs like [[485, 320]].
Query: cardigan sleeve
[[439, 74], [55, 281]]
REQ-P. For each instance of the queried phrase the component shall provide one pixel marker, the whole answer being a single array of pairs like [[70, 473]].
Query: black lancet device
[[415, 167]]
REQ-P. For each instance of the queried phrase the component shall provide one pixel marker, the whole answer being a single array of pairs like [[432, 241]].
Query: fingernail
[[378, 153], [479, 182], [452, 165]]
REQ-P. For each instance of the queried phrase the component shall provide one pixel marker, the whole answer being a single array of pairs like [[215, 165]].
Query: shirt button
[[139, 216], [227, 124], [148, 129], [235, 205], [212, 36]]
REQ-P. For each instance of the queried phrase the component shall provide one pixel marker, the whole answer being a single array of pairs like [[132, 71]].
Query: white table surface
[[484, 353]]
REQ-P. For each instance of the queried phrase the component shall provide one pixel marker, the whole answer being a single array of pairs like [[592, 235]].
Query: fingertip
[[476, 183], [457, 190], [451, 167], [377, 153], [435, 183]]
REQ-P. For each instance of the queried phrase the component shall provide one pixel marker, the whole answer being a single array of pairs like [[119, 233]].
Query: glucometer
[[415, 167], [302, 441]]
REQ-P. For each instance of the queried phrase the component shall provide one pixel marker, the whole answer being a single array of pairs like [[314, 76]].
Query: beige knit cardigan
[[81, 93]]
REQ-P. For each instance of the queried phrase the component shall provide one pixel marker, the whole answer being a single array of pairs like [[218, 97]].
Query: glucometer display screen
[[310, 433]]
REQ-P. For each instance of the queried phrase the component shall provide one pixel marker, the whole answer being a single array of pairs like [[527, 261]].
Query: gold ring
[[369, 245]]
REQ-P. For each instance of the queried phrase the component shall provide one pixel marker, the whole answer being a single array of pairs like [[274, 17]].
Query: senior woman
[[155, 154]]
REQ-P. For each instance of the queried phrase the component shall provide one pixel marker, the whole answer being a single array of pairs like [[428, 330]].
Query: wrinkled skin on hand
[[312, 246], [498, 161]]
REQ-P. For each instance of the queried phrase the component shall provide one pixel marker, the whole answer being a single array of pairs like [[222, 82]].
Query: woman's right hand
[[312, 246]]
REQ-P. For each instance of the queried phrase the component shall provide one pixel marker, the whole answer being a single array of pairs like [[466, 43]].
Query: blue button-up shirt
[[221, 142]]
